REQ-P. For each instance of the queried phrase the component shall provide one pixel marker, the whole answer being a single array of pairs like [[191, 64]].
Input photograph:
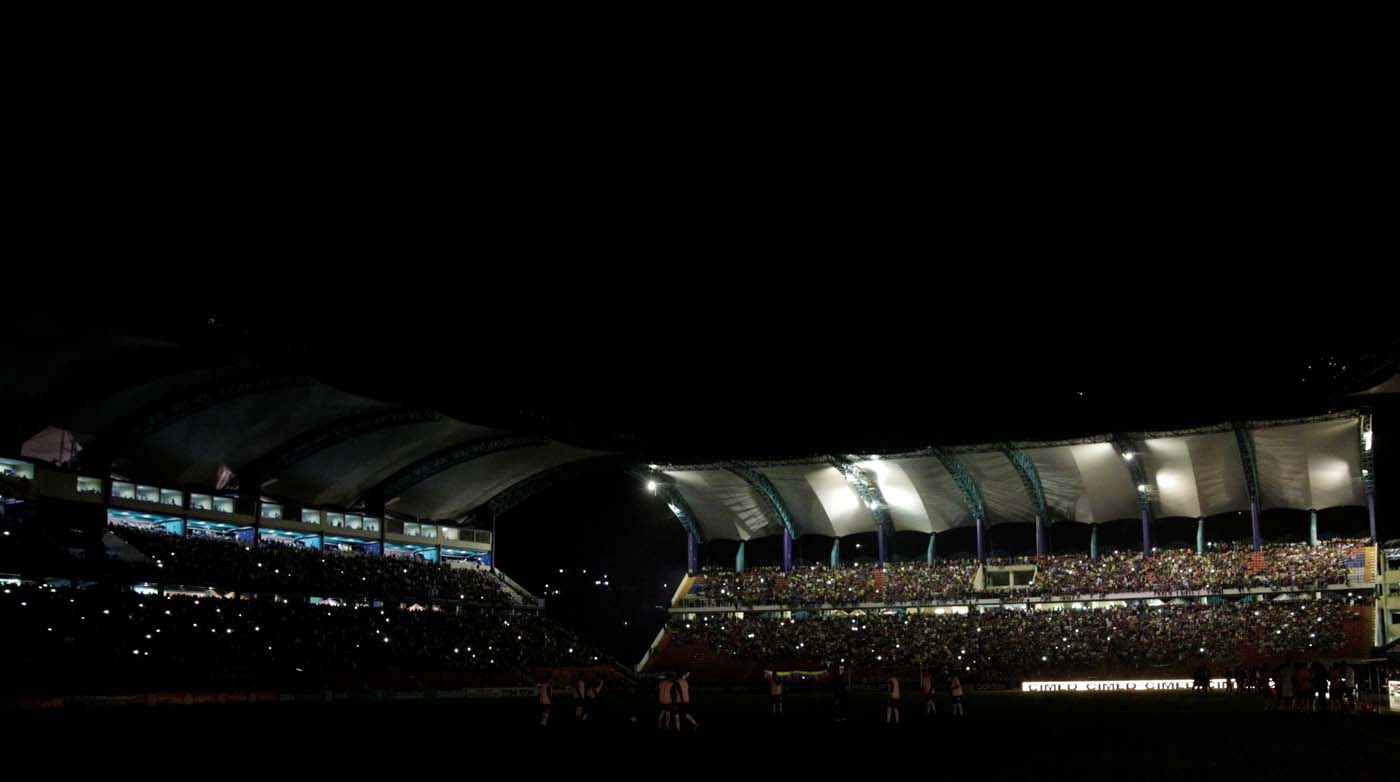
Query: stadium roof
[[437, 427], [1307, 464], [160, 413]]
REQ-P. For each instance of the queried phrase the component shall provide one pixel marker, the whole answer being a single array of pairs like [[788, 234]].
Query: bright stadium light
[[1142, 487], [1366, 439], [651, 486], [1128, 456]]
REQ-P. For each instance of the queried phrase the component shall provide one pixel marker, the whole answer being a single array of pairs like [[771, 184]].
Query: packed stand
[[1223, 566], [273, 567], [93, 640], [845, 585], [1010, 643]]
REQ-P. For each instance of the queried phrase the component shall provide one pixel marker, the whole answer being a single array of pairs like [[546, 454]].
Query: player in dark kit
[[775, 692], [926, 687], [840, 682]]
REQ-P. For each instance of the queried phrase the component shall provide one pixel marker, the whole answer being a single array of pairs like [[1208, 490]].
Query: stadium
[[194, 531]]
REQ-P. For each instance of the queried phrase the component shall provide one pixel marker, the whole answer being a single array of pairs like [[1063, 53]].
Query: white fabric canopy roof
[[1310, 465]]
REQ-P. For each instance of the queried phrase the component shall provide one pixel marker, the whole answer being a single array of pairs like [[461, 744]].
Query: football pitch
[[1003, 733]]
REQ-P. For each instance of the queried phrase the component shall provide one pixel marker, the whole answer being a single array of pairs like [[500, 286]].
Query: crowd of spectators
[[1004, 644], [72, 640], [812, 585], [915, 581], [1222, 566], [274, 567]]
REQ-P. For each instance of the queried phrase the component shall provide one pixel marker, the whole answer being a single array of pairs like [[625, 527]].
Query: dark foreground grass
[[1004, 734]]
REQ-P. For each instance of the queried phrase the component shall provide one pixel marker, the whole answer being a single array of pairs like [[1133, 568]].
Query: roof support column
[[658, 483], [868, 491], [1368, 470], [1244, 437], [835, 552], [1312, 527], [1129, 450], [932, 536], [765, 488], [1200, 536], [1094, 542], [1030, 479], [971, 495], [739, 557], [1254, 524], [1371, 511]]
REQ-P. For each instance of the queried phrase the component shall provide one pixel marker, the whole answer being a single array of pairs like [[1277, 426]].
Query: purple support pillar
[[1146, 531], [692, 554], [1254, 525], [981, 553], [787, 550], [1371, 511], [1039, 536], [880, 544]]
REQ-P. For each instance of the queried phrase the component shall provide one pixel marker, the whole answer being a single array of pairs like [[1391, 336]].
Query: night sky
[[708, 377]]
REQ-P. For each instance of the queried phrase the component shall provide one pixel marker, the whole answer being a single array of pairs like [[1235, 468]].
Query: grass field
[[1140, 736]]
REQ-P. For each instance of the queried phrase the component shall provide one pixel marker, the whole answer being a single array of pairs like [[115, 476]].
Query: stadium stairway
[[1359, 630], [517, 594], [121, 550], [881, 580], [683, 588]]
